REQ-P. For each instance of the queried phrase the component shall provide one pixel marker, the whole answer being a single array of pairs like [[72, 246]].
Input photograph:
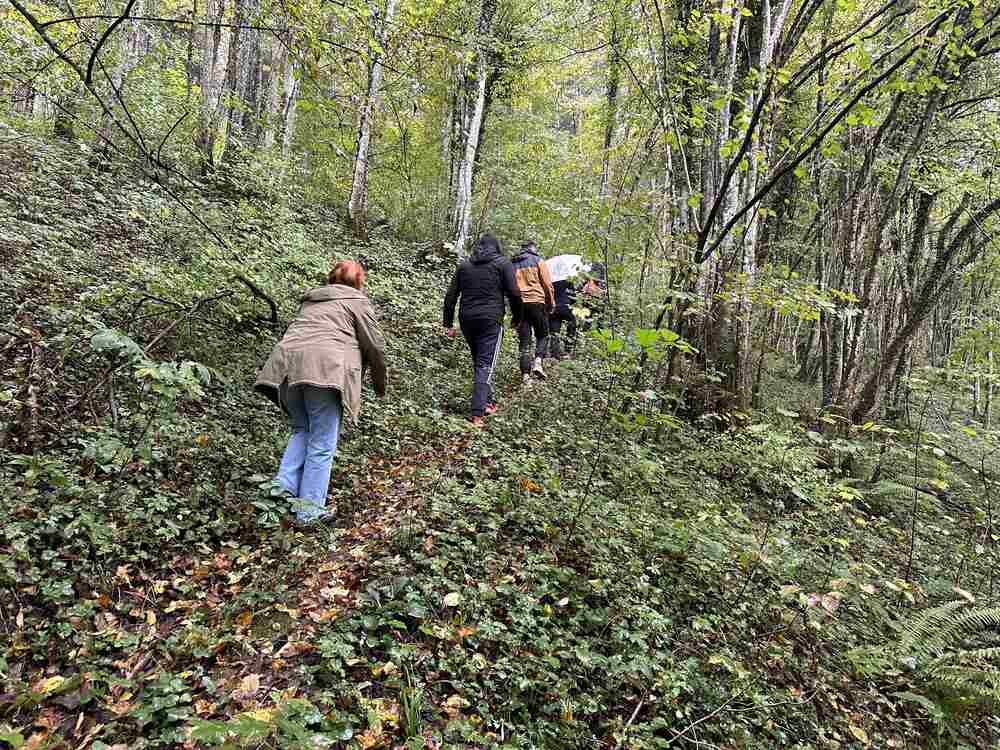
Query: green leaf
[[12, 738]]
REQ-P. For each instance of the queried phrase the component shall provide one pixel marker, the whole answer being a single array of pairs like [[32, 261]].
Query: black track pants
[[484, 338], [535, 321], [562, 344]]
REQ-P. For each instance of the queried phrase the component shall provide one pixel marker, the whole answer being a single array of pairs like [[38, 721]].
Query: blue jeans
[[315, 414]]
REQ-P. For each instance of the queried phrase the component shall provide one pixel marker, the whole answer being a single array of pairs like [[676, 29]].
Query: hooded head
[[527, 254], [487, 249]]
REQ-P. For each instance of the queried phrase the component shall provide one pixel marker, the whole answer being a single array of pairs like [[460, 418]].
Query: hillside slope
[[567, 577]]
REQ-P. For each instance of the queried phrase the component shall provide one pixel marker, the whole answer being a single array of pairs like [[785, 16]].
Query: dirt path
[[392, 492]]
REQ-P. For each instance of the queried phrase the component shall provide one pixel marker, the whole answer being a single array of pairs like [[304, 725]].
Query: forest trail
[[386, 502]]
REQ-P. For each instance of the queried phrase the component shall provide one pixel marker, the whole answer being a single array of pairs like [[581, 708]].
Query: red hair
[[348, 273]]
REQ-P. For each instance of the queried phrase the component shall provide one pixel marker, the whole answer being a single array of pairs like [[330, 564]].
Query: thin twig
[[629, 724], [708, 716]]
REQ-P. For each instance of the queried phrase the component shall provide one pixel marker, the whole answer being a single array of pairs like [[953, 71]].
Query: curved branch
[[104, 37], [259, 293]]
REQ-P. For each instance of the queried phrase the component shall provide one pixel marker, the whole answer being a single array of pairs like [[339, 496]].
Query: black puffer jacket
[[482, 281], [565, 295]]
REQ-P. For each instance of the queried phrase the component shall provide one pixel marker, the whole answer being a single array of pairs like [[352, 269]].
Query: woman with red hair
[[314, 374]]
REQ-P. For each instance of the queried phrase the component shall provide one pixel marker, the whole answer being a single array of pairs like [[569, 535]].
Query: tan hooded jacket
[[329, 344]]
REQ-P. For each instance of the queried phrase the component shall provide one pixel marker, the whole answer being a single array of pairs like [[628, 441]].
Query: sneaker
[[537, 370], [476, 421], [526, 380], [491, 409]]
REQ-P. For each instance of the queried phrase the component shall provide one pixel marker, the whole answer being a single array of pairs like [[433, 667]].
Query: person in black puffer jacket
[[482, 281], [562, 345]]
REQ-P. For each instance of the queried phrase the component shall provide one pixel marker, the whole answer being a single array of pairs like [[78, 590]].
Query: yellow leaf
[[244, 619], [859, 733], [50, 684], [261, 714]]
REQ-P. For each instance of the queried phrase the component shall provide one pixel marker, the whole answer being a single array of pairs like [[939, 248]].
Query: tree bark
[[357, 206], [213, 43], [474, 91], [130, 48]]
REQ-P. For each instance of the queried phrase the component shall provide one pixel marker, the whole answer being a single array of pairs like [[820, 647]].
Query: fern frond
[[956, 649]]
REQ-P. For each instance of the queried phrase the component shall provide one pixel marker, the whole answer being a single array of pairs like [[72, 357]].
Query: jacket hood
[[525, 254], [486, 250], [331, 292]]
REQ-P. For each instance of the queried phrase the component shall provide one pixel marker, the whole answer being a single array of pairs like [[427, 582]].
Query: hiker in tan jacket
[[314, 374], [538, 299]]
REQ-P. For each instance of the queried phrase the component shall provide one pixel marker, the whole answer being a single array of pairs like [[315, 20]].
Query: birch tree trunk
[[214, 44], [270, 109], [474, 92], [743, 378], [357, 206], [289, 100], [241, 78]]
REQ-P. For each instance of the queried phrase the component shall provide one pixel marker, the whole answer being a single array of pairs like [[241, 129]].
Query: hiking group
[[314, 373]]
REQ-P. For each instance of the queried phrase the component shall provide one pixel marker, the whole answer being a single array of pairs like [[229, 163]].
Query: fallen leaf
[[250, 684], [531, 486], [294, 648], [261, 714], [859, 733], [50, 684], [965, 594]]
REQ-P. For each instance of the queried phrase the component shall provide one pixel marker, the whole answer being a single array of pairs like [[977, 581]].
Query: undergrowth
[[578, 574]]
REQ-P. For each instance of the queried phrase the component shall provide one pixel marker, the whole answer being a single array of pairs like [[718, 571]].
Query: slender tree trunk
[[743, 375], [357, 206], [611, 115], [472, 122], [289, 102], [241, 79], [130, 47], [213, 44]]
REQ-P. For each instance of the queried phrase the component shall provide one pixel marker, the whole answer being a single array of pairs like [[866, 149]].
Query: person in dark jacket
[[562, 345], [538, 299], [482, 281]]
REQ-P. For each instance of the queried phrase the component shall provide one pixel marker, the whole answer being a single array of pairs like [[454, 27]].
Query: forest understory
[[582, 572], [755, 509]]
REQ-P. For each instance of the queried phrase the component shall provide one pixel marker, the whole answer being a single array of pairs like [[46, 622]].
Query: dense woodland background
[[755, 510]]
